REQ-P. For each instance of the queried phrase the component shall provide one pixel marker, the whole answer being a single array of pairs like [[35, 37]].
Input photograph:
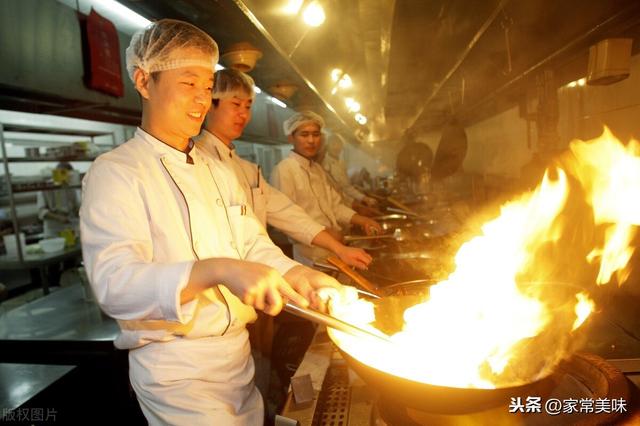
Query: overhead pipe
[[572, 44], [474, 40], [265, 33]]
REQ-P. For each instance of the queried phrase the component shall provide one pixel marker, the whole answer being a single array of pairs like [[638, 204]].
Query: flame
[[609, 172], [479, 306], [584, 307], [481, 327], [616, 253]]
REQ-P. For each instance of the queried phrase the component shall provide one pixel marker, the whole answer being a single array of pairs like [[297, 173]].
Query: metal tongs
[[332, 322]]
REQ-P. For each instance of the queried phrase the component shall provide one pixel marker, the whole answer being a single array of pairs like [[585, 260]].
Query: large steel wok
[[442, 399], [451, 400]]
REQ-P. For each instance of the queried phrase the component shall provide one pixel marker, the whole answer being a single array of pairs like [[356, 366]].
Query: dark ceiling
[[414, 63]]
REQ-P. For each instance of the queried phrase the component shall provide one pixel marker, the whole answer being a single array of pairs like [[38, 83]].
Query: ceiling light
[[277, 102], [292, 7], [123, 12], [582, 81], [572, 84], [361, 119], [345, 82], [313, 15], [335, 74], [352, 105]]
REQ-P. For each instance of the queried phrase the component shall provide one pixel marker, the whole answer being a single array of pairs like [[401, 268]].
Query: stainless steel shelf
[[44, 188], [48, 159]]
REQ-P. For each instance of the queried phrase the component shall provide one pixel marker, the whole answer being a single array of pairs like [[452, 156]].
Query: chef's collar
[[163, 146], [214, 145], [304, 161]]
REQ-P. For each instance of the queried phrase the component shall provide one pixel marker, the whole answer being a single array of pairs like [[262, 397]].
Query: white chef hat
[[229, 83], [298, 119], [153, 48]]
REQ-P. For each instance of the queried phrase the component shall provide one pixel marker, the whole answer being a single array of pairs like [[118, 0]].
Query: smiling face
[[175, 101], [306, 140], [228, 119]]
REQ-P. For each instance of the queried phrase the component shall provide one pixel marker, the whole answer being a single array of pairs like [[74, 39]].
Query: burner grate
[[332, 408]]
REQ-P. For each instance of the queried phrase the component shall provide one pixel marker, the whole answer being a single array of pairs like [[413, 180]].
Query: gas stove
[[588, 390]]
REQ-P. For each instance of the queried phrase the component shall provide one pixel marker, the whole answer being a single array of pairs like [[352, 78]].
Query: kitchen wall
[[499, 145], [43, 41], [585, 109]]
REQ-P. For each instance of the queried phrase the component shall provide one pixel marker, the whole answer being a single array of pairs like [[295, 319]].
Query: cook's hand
[[307, 282], [353, 256], [369, 201], [368, 225], [260, 286]]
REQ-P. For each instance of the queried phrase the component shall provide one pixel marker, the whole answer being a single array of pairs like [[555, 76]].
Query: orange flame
[[480, 328], [609, 172]]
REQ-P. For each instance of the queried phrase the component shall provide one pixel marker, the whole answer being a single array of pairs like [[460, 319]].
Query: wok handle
[[401, 206], [329, 321], [359, 279]]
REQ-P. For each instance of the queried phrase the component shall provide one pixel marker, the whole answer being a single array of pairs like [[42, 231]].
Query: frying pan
[[444, 399], [399, 288], [451, 400]]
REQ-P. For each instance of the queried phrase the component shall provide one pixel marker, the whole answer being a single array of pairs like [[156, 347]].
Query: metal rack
[[39, 129]]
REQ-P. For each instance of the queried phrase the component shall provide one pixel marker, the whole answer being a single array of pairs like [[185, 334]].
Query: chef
[[305, 182], [337, 173], [230, 113], [58, 209], [179, 265]]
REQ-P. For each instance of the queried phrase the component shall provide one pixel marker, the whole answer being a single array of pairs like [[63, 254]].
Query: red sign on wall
[[104, 56]]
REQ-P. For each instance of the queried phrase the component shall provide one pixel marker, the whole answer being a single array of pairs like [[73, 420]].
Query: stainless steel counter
[[21, 382], [39, 262], [60, 328]]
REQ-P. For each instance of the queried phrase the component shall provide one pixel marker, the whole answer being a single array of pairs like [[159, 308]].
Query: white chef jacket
[[270, 205], [147, 215], [336, 170], [306, 184], [63, 201]]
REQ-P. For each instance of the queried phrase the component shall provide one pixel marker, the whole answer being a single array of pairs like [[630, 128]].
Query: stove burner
[[584, 376], [332, 408]]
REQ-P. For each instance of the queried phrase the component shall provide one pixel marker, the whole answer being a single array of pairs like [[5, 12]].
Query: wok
[[399, 288], [443, 399], [451, 400]]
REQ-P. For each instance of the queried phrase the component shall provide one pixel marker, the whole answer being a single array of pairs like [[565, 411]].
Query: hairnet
[[298, 119], [152, 49], [229, 83]]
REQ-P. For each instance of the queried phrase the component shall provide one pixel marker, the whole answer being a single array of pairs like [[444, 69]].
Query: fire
[[482, 327], [584, 307], [610, 174]]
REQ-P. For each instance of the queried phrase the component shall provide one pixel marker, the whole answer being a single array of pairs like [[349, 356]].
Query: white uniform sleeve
[[118, 251], [290, 218]]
